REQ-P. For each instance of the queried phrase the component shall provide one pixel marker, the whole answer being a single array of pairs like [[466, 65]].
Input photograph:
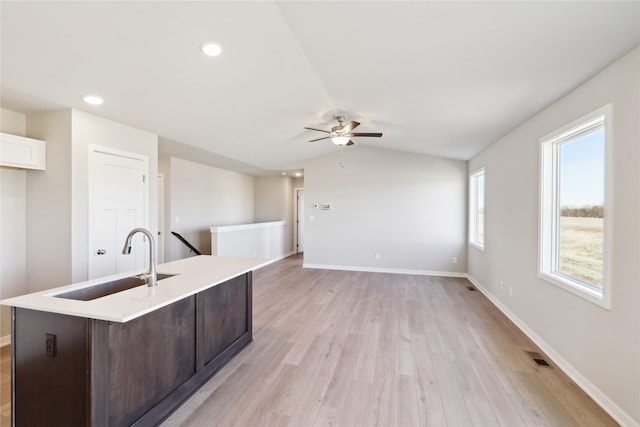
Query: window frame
[[473, 208], [548, 254]]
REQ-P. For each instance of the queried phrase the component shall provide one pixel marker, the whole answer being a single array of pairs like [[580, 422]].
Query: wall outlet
[[454, 260], [501, 285], [51, 345], [377, 256], [510, 291], [177, 219]]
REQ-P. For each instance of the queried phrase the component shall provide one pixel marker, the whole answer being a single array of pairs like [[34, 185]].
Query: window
[[476, 209], [574, 207]]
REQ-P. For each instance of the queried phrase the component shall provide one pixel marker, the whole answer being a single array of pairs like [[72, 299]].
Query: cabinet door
[[20, 152], [50, 355], [225, 315], [149, 357]]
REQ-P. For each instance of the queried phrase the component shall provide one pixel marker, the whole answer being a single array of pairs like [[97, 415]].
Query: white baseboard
[[587, 386], [385, 270], [5, 340]]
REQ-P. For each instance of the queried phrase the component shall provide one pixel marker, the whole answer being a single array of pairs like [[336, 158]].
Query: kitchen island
[[129, 357]]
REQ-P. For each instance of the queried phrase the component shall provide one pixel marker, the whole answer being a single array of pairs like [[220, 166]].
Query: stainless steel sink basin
[[108, 288]]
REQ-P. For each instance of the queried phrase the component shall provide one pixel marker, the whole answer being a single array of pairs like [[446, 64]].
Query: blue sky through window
[[582, 170], [480, 196]]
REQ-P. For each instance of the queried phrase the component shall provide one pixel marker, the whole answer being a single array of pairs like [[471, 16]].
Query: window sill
[[574, 287], [477, 246]]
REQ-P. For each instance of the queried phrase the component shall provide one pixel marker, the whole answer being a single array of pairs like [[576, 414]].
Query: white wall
[[297, 182], [274, 202], [49, 204], [409, 208], [57, 199], [270, 197], [202, 196], [13, 230], [600, 348]]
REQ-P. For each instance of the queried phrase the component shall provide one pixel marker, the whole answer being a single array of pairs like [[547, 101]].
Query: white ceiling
[[438, 78]]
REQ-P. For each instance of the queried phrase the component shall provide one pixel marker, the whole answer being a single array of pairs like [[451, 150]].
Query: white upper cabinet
[[20, 152]]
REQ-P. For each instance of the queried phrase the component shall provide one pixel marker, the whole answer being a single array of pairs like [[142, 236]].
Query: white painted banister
[[264, 240]]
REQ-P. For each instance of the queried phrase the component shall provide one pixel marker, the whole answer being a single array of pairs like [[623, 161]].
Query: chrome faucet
[[151, 274]]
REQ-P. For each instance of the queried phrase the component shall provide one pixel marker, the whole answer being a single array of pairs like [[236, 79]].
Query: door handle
[[101, 252]]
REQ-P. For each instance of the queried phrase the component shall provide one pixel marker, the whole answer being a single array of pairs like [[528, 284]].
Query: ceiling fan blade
[[349, 143], [376, 134], [319, 139], [319, 130], [350, 126]]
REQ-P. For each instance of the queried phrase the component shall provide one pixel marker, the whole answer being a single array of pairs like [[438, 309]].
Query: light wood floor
[[5, 386], [352, 348]]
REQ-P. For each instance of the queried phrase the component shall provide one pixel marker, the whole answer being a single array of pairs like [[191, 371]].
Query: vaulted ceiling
[[438, 78]]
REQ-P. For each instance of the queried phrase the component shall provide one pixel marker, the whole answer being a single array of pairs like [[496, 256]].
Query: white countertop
[[192, 275]]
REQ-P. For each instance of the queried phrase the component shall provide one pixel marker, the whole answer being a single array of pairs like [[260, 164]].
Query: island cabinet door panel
[[149, 357], [226, 316], [51, 361]]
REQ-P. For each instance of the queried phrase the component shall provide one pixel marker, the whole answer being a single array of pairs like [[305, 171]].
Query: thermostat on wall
[[326, 206]]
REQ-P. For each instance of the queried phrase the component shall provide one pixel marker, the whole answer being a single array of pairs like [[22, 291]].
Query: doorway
[[160, 248], [299, 221], [118, 203]]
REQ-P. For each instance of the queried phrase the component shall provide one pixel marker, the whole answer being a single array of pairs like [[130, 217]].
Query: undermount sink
[[103, 289]]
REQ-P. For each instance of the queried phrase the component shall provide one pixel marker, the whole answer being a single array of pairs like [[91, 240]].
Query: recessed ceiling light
[[298, 174], [211, 48], [93, 99]]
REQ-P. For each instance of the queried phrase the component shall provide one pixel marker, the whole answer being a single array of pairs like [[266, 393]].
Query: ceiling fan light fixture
[[340, 140]]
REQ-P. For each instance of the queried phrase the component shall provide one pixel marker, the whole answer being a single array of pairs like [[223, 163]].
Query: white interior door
[[117, 202], [300, 221]]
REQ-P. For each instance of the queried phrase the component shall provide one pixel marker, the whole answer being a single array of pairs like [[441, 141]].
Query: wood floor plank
[[254, 411], [405, 411], [366, 363], [213, 407], [343, 374], [532, 389], [356, 406], [382, 388], [451, 394], [430, 407], [583, 409], [304, 375], [310, 402], [504, 409], [327, 417]]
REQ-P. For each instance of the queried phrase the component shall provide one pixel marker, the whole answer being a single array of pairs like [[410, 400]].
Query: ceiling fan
[[341, 135]]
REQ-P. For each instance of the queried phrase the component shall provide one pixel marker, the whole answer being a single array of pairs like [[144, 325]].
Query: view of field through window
[[581, 222], [480, 209]]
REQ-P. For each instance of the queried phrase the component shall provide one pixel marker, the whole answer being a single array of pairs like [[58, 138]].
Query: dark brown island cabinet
[[77, 371]]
